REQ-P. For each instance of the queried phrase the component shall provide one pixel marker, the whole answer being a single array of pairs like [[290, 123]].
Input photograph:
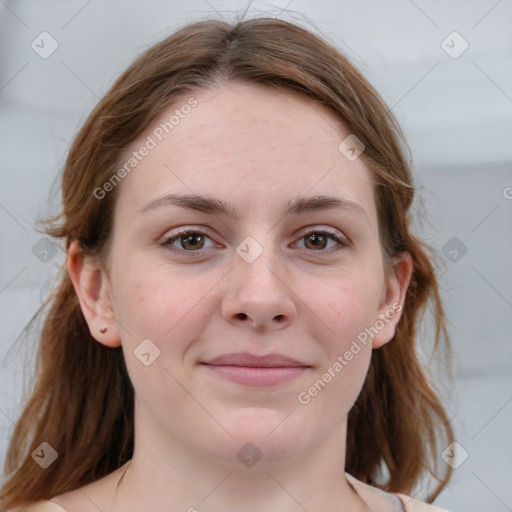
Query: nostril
[[278, 317], [242, 316]]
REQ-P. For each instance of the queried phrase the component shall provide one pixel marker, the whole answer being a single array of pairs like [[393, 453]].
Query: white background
[[457, 115]]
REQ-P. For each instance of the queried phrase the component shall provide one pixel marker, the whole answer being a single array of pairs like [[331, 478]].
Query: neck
[[237, 492], [164, 475]]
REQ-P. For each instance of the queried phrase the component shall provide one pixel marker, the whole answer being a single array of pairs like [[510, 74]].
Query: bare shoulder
[[39, 506], [71, 501], [89, 498], [79, 500], [97, 495]]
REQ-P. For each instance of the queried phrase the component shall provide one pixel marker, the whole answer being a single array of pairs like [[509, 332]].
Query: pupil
[[315, 240], [192, 237]]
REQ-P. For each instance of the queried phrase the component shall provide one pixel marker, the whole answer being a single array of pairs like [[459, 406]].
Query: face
[[279, 271]]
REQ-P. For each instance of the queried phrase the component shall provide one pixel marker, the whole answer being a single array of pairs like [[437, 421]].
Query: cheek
[[154, 301], [158, 304], [159, 321], [348, 305], [347, 350], [349, 311]]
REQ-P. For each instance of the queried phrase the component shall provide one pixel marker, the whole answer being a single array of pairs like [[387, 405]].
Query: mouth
[[253, 370]]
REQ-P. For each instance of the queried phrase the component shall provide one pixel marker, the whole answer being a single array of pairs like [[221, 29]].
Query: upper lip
[[246, 359]]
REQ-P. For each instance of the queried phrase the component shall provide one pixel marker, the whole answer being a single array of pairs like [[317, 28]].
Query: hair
[[81, 399]]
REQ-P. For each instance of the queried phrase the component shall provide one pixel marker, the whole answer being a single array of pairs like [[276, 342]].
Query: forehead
[[250, 144]]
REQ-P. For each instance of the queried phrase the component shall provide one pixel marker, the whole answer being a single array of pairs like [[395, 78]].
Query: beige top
[[410, 505]]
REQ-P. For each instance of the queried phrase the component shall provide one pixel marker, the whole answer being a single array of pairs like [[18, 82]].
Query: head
[[313, 257]]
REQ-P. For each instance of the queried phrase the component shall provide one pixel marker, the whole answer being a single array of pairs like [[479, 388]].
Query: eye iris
[[194, 236], [313, 238]]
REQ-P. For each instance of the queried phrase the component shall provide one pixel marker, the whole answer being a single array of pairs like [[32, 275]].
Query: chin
[[264, 438]]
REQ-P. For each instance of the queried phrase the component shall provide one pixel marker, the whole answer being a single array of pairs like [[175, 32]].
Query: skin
[[257, 149]]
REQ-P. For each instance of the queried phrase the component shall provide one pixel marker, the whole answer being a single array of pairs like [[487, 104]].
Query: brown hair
[[82, 399]]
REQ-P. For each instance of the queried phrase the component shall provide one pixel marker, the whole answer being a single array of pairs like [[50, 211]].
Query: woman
[[236, 322]]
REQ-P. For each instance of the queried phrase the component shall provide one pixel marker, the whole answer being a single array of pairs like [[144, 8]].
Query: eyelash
[[343, 242]]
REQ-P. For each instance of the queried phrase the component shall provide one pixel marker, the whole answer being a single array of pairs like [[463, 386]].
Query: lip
[[253, 370]]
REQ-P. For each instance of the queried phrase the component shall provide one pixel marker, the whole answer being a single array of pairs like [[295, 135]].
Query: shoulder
[[92, 497], [412, 505], [40, 506]]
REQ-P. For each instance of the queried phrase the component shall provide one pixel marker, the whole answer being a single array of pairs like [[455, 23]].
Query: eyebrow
[[217, 206]]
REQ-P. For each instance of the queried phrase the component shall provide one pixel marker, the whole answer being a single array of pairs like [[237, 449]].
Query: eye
[[189, 240], [192, 240], [317, 240]]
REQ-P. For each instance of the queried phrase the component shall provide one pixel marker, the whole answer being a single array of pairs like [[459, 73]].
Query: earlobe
[[93, 290], [393, 301]]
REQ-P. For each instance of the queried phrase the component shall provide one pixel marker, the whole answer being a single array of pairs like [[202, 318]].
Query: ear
[[393, 299], [93, 289]]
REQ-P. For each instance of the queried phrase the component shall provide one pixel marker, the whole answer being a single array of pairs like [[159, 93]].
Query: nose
[[259, 295]]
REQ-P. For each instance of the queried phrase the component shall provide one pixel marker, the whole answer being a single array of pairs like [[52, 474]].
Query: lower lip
[[263, 377]]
